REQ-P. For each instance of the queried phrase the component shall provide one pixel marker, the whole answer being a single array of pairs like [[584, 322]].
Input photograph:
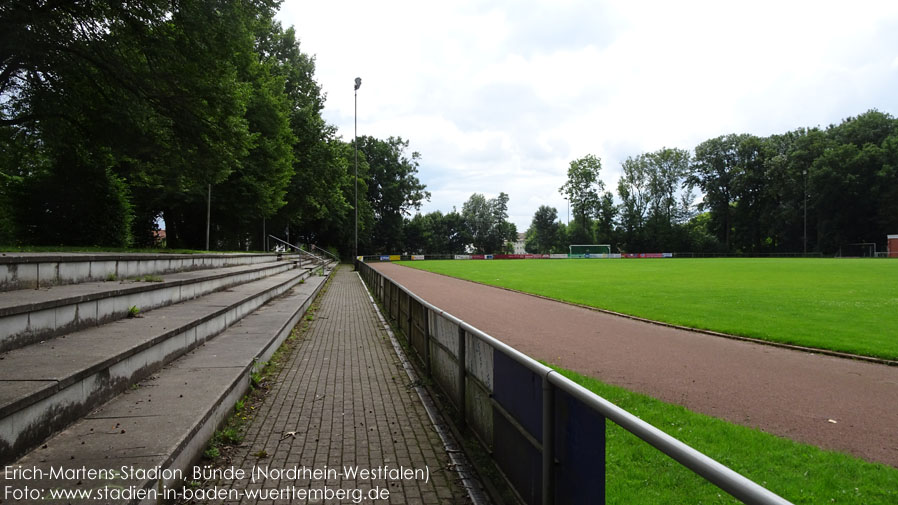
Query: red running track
[[789, 393]]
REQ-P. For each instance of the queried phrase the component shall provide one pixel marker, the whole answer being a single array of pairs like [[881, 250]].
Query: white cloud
[[501, 96]]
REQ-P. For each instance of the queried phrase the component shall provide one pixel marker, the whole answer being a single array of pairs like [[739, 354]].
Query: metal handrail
[[711, 470], [326, 252], [315, 257]]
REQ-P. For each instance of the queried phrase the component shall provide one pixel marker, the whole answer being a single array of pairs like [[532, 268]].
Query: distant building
[[893, 246], [159, 238], [518, 245]]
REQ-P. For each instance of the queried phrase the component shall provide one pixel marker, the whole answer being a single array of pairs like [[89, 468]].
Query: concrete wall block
[[210, 328], [38, 419], [122, 304], [231, 316], [86, 312], [48, 274], [283, 289], [190, 337], [234, 280], [479, 360], [66, 317], [125, 269], [42, 321], [70, 272], [174, 347], [7, 275], [136, 366], [101, 270], [445, 372], [259, 301], [26, 274], [207, 287], [105, 310], [443, 330], [12, 326], [479, 411], [183, 294], [242, 310], [163, 297]]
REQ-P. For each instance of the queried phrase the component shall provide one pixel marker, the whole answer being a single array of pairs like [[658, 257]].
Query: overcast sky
[[502, 95]]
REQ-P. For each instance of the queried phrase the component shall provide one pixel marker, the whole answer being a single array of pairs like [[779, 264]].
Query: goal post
[[589, 250]]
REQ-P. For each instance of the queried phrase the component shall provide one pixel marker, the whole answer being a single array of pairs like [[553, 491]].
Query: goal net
[[589, 250], [858, 250]]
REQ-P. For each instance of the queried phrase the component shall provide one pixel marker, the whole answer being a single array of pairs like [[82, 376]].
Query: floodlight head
[[358, 83]]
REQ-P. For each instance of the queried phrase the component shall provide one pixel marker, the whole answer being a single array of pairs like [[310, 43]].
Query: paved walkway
[[342, 403]]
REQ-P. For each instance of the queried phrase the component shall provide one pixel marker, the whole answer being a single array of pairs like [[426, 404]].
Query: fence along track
[[545, 432]]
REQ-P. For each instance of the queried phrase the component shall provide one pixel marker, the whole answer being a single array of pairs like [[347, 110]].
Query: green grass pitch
[[845, 305], [803, 474], [848, 305]]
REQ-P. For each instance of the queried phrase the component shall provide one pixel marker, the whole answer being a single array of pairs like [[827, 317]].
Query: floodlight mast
[[355, 143]]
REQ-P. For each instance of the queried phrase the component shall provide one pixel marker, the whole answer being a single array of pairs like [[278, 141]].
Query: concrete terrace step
[[32, 270], [29, 316], [167, 420], [44, 387]]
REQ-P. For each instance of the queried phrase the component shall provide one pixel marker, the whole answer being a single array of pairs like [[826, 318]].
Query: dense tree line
[[759, 193], [482, 227], [115, 115], [738, 194]]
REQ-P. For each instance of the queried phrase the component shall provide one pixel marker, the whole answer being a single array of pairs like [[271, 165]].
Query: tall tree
[[486, 222], [147, 93], [543, 236], [606, 219], [753, 195], [321, 193], [582, 189], [714, 170], [393, 189], [668, 169], [446, 233], [634, 190], [853, 180]]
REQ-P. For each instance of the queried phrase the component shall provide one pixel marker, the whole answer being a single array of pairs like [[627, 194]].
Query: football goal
[[587, 250]]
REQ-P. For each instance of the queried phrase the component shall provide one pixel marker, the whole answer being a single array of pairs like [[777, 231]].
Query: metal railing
[[314, 258], [326, 253], [545, 433]]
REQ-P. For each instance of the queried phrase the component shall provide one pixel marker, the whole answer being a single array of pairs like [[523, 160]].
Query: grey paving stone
[[342, 401]]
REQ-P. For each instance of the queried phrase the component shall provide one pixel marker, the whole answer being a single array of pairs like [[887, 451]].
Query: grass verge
[[848, 305], [638, 473]]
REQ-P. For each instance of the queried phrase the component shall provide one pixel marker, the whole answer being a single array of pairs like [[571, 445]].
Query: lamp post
[[355, 143], [805, 174], [208, 213]]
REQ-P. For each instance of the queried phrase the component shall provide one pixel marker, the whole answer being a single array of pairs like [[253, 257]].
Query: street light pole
[[208, 213], [355, 143], [805, 174]]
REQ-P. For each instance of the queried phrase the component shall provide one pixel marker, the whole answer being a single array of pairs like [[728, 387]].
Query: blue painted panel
[[579, 452], [519, 460], [520, 392]]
